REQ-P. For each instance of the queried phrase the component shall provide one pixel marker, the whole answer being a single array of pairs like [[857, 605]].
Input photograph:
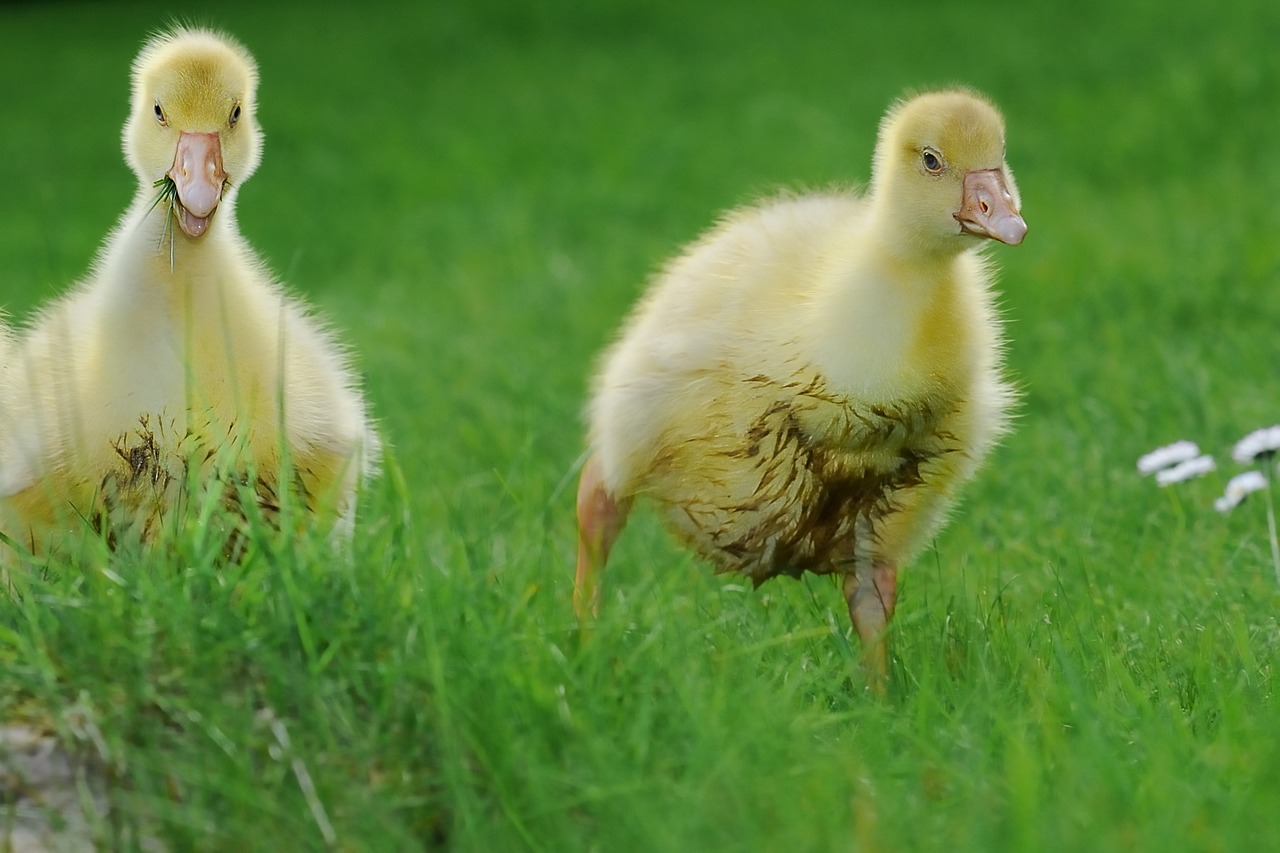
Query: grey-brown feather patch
[[160, 473], [805, 470]]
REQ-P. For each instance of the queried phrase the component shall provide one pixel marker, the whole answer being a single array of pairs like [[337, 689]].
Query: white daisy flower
[[1170, 454], [1186, 470], [1257, 443], [1238, 488]]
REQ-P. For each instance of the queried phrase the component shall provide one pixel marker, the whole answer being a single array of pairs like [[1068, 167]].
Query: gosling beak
[[987, 209], [197, 173]]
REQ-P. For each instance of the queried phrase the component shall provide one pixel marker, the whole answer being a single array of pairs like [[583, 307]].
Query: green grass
[[475, 193]]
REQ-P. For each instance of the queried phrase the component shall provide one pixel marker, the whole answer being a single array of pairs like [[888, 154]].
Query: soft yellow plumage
[[805, 387], [179, 352]]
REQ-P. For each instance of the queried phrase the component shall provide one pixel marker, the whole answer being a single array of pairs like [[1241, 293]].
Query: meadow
[[474, 194]]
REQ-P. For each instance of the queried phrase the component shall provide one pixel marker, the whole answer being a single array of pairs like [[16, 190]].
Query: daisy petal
[[1170, 454], [1186, 470], [1257, 443], [1238, 488]]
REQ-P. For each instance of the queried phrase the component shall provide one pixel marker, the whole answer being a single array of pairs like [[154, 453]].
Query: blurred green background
[[447, 177], [475, 192]]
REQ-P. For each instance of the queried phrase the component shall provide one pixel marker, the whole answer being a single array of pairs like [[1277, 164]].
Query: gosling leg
[[872, 592], [601, 518]]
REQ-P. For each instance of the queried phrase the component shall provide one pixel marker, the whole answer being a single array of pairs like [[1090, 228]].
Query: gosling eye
[[234, 117], [932, 161], [160, 116]]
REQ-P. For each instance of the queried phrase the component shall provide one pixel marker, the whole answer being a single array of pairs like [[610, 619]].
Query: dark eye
[[932, 162], [160, 114], [235, 116]]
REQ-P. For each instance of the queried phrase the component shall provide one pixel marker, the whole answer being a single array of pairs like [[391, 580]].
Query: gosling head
[[940, 172], [191, 129]]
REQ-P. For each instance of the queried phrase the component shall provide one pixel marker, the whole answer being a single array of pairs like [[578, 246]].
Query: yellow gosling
[[179, 352], [806, 386]]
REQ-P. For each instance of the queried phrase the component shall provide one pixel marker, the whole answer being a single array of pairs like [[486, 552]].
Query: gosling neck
[[163, 249], [879, 298]]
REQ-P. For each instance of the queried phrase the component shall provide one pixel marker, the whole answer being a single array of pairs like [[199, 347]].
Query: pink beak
[[987, 208], [197, 172]]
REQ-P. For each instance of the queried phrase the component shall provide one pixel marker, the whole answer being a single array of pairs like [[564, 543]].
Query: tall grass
[[475, 193]]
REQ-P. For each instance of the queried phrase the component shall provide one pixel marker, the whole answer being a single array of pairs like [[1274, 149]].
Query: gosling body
[[806, 387], [179, 353]]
